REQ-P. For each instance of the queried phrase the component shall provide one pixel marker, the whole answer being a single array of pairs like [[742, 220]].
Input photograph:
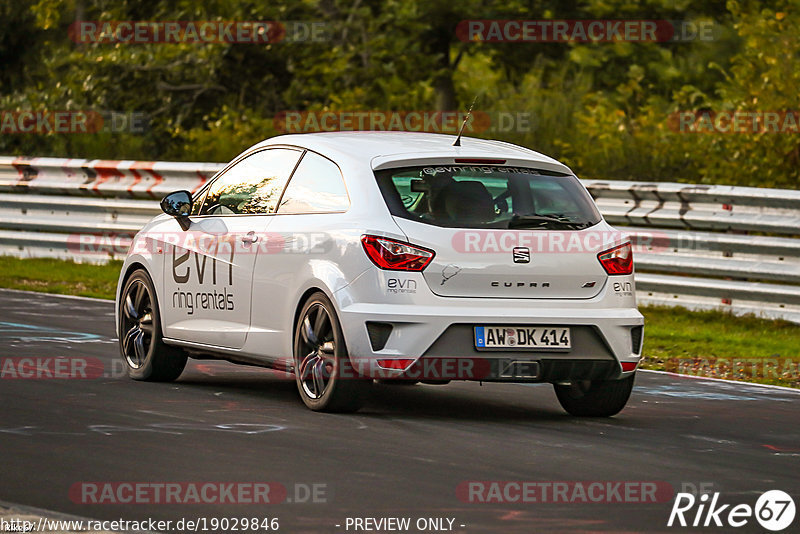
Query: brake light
[[482, 161], [617, 260], [627, 367], [395, 255]]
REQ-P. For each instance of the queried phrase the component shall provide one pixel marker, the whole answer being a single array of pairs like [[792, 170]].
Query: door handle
[[249, 238]]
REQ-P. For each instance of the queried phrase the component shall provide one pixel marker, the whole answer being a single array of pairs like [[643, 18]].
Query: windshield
[[487, 196]]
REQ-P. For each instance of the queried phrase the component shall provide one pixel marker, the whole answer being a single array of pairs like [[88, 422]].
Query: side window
[[550, 198], [317, 186], [197, 200], [408, 197], [253, 185]]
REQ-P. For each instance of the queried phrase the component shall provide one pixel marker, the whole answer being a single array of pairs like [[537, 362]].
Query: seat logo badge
[[521, 254]]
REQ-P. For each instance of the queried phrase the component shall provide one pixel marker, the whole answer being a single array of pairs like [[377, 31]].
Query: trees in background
[[607, 109]]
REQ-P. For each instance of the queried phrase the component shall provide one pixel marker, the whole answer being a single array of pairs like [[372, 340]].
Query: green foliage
[[59, 276], [604, 108], [762, 77], [718, 344]]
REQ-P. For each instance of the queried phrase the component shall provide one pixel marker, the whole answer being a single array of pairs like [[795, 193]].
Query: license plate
[[522, 338]]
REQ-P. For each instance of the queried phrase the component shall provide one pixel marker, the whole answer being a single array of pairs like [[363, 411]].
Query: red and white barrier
[[102, 178]]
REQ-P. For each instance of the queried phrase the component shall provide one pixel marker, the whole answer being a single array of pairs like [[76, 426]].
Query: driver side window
[[253, 185]]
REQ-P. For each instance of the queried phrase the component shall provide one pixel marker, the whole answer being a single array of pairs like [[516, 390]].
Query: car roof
[[383, 147]]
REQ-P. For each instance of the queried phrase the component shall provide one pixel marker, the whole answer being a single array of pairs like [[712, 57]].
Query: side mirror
[[178, 205]]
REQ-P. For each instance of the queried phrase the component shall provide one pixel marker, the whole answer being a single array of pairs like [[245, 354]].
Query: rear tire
[[599, 398], [325, 378], [141, 346]]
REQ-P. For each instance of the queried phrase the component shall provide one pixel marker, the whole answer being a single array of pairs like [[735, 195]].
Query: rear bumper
[[436, 333]]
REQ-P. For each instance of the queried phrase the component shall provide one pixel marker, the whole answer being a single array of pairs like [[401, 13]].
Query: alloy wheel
[[317, 352], [137, 324]]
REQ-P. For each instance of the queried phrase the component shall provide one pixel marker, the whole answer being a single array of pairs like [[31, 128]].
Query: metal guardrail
[[710, 246], [102, 178], [699, 246]]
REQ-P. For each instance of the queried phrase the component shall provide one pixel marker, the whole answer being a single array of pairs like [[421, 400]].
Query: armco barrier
[[102, 178], [698, 246], [710, 246]]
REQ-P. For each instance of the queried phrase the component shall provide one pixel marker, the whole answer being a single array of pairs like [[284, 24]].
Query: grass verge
[[59, 276], [721, 345], [706, 343]]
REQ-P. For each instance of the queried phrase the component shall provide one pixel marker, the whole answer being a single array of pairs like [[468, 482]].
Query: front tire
[[146, 355], [598, 398], [325, 378]]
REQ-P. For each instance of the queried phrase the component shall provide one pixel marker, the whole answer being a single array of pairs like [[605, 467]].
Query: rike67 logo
[[774, 511]]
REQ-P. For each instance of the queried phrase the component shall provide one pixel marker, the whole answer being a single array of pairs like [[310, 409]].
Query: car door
[[310, 219], [209, 266]]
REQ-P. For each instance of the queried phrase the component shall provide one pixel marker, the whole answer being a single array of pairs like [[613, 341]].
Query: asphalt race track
[[403, 455]]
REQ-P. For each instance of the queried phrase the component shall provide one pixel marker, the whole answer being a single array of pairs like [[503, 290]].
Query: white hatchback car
[[346, 258]]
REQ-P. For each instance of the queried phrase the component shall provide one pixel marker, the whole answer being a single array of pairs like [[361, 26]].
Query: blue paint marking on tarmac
[[708, 392], [29, 332]]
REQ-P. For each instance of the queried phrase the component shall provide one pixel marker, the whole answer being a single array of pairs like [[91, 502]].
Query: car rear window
[[488, 196]]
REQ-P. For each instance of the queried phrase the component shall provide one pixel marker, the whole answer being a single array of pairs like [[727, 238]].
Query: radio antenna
[[457, 142]]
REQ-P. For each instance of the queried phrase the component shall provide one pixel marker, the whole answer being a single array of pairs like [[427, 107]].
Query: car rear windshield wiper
[[527, 221]]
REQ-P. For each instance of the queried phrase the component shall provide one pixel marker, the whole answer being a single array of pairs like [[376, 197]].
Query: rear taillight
[[617, 260], [395, 255]]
